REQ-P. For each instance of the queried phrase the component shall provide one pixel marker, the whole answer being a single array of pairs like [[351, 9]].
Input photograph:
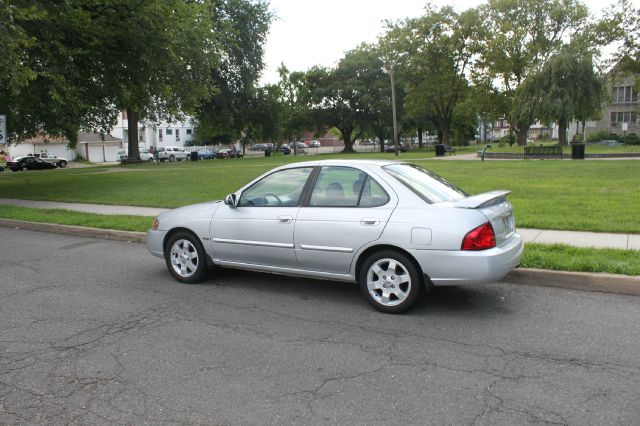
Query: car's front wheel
[[62, 164], [185, 258], [390, 281]]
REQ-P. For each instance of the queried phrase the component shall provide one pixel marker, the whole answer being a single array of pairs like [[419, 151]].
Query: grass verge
[[67, 217], [560, 257]]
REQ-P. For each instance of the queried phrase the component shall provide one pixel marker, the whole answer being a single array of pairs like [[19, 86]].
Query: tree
[[566, 88], [522, 36], [337, 98], [442, 49], [92, 59], [241, 28]]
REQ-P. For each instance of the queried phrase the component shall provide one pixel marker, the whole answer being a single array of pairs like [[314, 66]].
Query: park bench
[[542, 151], [449, 150]]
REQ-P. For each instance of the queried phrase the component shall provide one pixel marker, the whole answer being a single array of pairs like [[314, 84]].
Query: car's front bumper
[[155, 241], [459, 267]]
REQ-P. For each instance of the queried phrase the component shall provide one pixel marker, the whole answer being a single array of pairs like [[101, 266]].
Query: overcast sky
[[318, 32]]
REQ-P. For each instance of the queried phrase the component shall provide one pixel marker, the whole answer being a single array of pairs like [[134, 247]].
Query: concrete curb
[[582, 281], [79, 231]]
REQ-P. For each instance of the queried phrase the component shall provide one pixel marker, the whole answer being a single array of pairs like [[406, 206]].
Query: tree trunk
[[562, 132], [380, 135], [521, 134], [348, 143], [132, 122], [419, 137], [445, 135]]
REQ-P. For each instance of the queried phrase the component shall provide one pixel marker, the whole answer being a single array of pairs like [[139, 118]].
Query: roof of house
[[96, 137]]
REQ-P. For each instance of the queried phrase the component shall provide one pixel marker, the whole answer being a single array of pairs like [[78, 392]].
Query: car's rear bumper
[[459, 267], [155, 240]]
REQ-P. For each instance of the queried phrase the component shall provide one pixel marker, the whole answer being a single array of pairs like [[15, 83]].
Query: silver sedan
[[392, 227]]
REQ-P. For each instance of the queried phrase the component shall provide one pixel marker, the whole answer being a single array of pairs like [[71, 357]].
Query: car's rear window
[[426, 184]]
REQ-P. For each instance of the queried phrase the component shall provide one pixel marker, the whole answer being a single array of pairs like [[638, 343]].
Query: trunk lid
[[495, 207]]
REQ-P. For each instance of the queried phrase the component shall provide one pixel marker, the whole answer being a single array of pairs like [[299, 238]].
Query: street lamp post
[[393, 111], [390, 64]]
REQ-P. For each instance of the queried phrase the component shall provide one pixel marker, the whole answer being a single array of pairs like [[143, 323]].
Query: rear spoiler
[[482, 200]]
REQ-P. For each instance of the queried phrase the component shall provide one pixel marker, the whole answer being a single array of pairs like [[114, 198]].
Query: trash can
[[577, 151], [439, 150], [267, 152], [194, 155]]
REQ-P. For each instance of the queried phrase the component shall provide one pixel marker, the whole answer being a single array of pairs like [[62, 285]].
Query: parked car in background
[[172, 153], [284, 148], [314, 144], [366, 142], [393, 227], [145, 155], [29, 163], [58, 161], [391, 148], [258, 147], [205, 154], [228, 153]]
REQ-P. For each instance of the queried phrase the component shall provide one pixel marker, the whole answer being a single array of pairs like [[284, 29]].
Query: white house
[[156, 134]]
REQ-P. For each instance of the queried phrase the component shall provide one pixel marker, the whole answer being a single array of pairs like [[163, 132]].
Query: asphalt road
[[96, 331]]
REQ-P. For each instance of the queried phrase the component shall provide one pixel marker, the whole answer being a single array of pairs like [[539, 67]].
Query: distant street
[[97, 332]]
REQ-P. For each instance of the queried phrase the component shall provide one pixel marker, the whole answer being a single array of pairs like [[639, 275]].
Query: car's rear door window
[[338, 186]]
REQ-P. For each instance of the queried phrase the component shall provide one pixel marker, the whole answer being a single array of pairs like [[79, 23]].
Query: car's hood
[[194, 211]]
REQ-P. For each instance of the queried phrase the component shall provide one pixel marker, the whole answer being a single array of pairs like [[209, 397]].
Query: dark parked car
[[391, 148], [228, 153], [205, 154], [258, 147], [284, 149], [29, 163]]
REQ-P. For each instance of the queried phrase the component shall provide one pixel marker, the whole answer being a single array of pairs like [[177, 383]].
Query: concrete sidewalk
[[572, 238]]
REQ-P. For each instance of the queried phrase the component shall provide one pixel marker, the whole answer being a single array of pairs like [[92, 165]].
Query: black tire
[[172, 158], [62, 164], [179, 253], [150, 160], [402, 283], [25, 168]]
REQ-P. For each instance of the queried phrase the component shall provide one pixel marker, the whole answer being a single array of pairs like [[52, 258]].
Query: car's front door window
[[279, 189]]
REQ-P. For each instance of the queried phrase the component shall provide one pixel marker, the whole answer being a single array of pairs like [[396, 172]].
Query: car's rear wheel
[[62, 164], [25, 168], [150, 159], [390, 281], [185, 258]]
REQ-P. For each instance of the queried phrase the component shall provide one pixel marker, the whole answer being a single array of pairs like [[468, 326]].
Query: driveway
[[96, 332]]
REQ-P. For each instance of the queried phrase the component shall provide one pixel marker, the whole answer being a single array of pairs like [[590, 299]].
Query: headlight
[[155, 224]]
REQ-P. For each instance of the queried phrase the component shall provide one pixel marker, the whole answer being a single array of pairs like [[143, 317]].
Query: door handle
[[284, 219], [370, 221]]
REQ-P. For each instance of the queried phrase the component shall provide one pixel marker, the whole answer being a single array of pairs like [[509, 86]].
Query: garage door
[[95, 154], [111, 152]]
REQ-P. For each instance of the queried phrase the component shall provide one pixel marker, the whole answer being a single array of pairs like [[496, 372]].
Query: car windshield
[[426, 184]]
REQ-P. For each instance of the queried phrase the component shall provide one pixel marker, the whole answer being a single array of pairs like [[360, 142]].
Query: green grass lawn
[[560, 257], [67, 217], [570, 195], [515, 149]]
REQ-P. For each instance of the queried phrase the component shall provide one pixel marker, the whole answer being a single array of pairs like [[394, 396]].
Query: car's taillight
[[480, 238], [155, 224]]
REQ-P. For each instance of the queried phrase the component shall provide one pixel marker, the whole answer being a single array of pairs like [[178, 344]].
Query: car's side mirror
[[231, 200]]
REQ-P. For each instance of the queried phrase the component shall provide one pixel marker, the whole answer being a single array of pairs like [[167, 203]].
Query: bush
[[632, 139], [509, 138], [603, 135]]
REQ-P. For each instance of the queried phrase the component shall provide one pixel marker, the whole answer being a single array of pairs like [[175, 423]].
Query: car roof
[[345, 163]]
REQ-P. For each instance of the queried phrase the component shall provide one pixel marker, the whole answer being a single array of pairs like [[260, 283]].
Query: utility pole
[[393, 110]]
